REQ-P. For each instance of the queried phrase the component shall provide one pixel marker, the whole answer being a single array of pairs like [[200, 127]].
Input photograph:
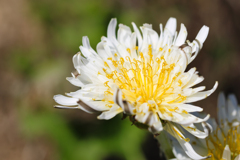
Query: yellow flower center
[[145, 80], [217, 141]]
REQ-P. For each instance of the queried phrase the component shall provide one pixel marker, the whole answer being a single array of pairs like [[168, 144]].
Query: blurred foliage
[[68, 21], [121, 138]]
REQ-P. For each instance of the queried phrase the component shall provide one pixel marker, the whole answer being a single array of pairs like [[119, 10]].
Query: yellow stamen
[[179, 134], [105, 64], [128, 49], [216, 146], [147, 78]]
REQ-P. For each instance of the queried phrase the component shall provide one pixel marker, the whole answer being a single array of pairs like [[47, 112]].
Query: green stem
[[165, 145]]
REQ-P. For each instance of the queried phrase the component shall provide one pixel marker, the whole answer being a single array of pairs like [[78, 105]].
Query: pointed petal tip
[[171, 25], [214, 88], [204, 30], [205, 27], [226, 153], [227, 147], [215, 85], [183, 27], [56, 96], [99, 117], [202, 35], [111, 28], [65, 100], [113, 20], [84, 37], [172, 19]]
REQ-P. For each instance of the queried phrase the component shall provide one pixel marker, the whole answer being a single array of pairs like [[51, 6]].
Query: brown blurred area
[[18, 29], [30, 83]]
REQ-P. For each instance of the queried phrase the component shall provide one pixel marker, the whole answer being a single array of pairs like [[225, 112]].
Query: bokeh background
[[37, 41]]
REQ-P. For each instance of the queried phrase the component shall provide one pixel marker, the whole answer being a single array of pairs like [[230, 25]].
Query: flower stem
[[165, 145]]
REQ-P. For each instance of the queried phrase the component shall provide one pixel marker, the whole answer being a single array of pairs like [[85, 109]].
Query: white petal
[[185, 145], [149, 36], [181, 36], [201, 95], [111, 113], [171, 26], [76, 61], [97, 105], [75, 81], [226, 153], [90, 107], [124, 35], [101, 51], [87, 52], [186, 52], [134, 44], [65, 107], [202, 35], [156, 127], [195, 79], [139, 36], [185, 120], [144, 118], [161, 37], [63, 100], [179, 152], [233, 99], [86, 44], [194, 131], [238, 157], [200, 120], [112, 28], [195, 50], [189, 119], [84, 78], [190, 108], [222, 115], [126, 106], [184, 60], [191, 91], [187, 77], [231, 108]]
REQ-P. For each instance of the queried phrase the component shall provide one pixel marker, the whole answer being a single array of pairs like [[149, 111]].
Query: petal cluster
[[224, 141], [143, 75]]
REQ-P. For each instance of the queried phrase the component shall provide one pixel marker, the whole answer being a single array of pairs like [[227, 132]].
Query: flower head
[[142, 75], [224, 141]]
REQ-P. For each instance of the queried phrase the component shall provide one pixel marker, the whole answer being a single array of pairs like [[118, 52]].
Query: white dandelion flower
[[142, 75], [224, 142]]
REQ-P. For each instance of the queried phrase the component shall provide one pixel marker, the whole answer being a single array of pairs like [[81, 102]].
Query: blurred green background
[[37, 41]]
